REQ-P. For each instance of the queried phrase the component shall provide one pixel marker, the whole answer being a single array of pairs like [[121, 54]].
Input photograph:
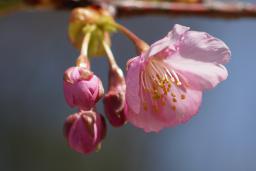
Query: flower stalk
[[82, 60], [109, 54], [139, 43], [114, 100]]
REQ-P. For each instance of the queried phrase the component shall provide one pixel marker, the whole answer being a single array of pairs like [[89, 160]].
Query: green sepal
[[78, 29]]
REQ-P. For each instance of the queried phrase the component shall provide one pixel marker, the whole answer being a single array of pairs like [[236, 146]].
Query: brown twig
[[221, 10], [127, 8]]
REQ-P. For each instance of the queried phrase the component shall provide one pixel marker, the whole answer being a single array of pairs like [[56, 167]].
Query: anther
[[145, 107], [178, 83], [182, 96], [163, 103], [173, 94], [174, 108], [155, 108]]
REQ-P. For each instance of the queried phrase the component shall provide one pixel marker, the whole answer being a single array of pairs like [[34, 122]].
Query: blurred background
[[34, 52]]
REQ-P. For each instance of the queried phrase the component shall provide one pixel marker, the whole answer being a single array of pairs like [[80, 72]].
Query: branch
[[215, 9], [127, 8]]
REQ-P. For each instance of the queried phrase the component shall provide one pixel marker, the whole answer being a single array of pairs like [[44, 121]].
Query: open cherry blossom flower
[[165, 83]]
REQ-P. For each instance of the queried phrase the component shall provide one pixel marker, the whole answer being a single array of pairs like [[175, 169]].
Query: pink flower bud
[[82, 88], [114, 100], [84, 131]]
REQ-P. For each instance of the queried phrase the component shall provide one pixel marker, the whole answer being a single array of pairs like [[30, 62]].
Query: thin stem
[[116, 76], [85, 44], [82, 60], [110, 56], [140, 44]]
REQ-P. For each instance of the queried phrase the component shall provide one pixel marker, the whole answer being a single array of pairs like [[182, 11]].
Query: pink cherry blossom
[[114, 100], [84, 131], [165, 83], [82, 88]]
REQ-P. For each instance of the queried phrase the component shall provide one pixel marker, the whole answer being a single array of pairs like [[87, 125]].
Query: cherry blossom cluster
[[162, 88]]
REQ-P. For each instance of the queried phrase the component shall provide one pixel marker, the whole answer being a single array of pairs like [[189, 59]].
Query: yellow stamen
[[157, 81]]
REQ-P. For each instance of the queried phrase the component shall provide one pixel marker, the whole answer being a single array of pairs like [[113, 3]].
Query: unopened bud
[[114, 100], [82, 88], [85, 131]]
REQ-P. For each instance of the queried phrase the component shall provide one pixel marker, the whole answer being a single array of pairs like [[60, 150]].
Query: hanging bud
[[85, 131], [114, 100], [95, 20], [82, 88]]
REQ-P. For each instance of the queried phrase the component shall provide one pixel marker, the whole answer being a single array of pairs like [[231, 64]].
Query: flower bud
[[114, 100], [82, 88], [84, 131]]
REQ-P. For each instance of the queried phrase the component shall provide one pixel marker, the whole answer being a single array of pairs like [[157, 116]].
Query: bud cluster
[[85, 129], [89, 31]]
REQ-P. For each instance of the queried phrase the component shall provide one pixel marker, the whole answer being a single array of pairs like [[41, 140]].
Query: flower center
[[157, 81]]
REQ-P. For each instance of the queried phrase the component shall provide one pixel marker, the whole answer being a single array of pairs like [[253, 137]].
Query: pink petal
[[184, 108], [144, 120], [166, 116], [101, 128], [199, 58], [133, 84], [80, 139], [169, 41], [199, 75], [203, 47], [177, 32], [68, 94]]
